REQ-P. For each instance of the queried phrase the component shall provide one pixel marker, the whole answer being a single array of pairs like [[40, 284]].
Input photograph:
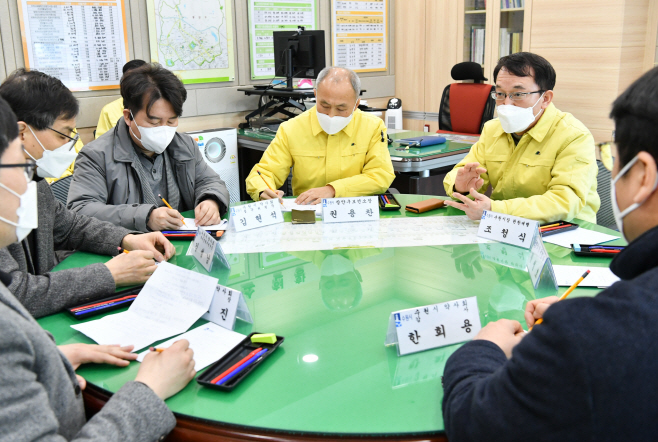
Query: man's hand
[[505, 333], [536, 309], [207, 213], [268, 194], [132, 268], [469, 177], [168, 372], [164, 218], [472, 208], [79, 354], [314, 196], [154, 242]]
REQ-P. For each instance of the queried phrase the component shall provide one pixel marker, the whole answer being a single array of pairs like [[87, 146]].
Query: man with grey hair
[[335, 150]]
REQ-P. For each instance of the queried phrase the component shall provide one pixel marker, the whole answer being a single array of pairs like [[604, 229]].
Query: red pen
[[554, 228], [242, 361], [604, 251]]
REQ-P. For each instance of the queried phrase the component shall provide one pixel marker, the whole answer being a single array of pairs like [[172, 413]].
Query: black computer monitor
[[298, 54]]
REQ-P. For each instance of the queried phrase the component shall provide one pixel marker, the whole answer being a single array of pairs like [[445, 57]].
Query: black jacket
[[589, 372]]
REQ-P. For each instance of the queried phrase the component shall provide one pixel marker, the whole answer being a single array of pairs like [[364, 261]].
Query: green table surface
[[357, 385], [406, 154]]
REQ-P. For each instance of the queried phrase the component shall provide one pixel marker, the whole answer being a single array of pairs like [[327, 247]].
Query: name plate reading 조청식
[[226, 305], [433, 326], [343, 210], [509, 229], [254, 215], [205, 248]]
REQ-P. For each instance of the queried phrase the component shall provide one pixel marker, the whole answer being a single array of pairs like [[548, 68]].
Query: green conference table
[[357, 388]]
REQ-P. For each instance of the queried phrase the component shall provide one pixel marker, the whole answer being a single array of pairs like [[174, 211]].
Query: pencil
[[565, 294], [165, 201], [268, 186], [550, 225], [122, 250], [159, 350]]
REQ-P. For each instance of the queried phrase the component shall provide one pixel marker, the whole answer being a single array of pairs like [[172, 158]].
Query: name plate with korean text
[[227, 304], [343, 210], [206, 249], [433, 326], [509, 229], [254, 215]]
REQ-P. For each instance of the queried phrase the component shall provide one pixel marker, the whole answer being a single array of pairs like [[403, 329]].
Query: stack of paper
[[578, 236], [191, 225], [172, 300], [289, 205], [598, 276]]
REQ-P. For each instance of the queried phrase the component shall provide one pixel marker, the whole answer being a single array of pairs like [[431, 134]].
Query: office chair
[[605, 216], [465, 107], [60, 189]]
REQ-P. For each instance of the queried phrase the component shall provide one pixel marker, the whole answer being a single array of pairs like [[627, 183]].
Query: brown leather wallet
[[424, 206]]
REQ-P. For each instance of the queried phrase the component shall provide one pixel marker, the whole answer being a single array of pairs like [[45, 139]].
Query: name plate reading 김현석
[[509, 229], [342, 210], [433, 326], [258, 214]]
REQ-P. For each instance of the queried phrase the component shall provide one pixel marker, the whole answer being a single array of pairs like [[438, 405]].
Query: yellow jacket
[[549, 176], [355, 161], [110, 113], [69, 171]]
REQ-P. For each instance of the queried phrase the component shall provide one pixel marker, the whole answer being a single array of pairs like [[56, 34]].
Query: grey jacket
[[42, 292], [106, 184], [40, 399]]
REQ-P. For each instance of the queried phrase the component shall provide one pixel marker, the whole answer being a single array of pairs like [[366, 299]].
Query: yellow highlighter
[[264, 338]]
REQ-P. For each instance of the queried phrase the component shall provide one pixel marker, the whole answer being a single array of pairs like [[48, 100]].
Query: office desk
[[357, 388]]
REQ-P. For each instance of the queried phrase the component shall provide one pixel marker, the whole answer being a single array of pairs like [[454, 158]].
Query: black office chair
[[605, 216], [60, 189]]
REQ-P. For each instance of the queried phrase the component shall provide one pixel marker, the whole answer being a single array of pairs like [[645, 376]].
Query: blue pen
[[383, 200], [243, 366], [178, 232], [101, 307], [607, 247]]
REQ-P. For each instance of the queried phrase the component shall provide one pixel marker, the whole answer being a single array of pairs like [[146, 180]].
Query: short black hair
[[142, 87], [523, 64], [635, 113], [38, 99], [8, 126], [133, 64]]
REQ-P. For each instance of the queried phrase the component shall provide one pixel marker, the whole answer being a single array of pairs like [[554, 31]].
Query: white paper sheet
[[598, 276], [191, 225], [172, 300], [388, 232], [289, 205], [579, 236], [210, 343]]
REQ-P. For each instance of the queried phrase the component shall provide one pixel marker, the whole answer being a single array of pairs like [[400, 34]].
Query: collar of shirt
[[316, 128], [539, 130]]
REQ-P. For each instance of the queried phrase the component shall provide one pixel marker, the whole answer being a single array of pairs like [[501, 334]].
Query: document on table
[[210, 343], [172, 300], [578, 236], [191, 225], [289, 205], [598, 276]]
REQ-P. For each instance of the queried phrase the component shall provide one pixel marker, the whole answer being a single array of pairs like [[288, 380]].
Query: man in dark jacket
[[588, 371], [124, 175]]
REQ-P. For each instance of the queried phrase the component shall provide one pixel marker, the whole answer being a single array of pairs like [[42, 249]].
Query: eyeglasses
[[29, 167], [75, 139], [514, 96]]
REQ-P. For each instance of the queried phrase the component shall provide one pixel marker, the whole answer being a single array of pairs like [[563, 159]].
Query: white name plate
[[205, 248], [342, 210], [226, 305], [509, 229], [433, 326], [254, 215]]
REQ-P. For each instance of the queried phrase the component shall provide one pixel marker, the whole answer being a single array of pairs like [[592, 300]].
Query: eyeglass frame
[[525, 94], [30, 167], [75, 140]]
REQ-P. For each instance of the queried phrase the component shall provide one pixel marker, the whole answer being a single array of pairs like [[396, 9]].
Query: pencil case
[[392, 202], [584, 250], [101, 306], [231, 359], [562, 226]]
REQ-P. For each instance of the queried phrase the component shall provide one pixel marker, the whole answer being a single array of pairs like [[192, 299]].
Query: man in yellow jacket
[[539, 161], [335, 149], [112, 112]]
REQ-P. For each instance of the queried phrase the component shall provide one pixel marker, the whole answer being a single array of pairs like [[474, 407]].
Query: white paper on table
[[172, 300], [210, 343], [289, 205], [578, 236], [598, 276], [191, 225]]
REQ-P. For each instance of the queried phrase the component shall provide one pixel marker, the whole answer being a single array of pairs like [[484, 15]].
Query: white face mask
[[27, 211], [333, 125], [154, 139], [53, 163], [516, 119], [619, 215]]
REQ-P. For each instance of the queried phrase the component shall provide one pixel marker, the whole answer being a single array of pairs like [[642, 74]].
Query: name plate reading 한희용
[[205, 248], [509, 229], [433, 326], [343, 210], [226, 305], [258, 214]]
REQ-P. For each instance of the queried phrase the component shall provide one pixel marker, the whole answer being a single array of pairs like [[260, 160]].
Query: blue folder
[[428, 140]]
